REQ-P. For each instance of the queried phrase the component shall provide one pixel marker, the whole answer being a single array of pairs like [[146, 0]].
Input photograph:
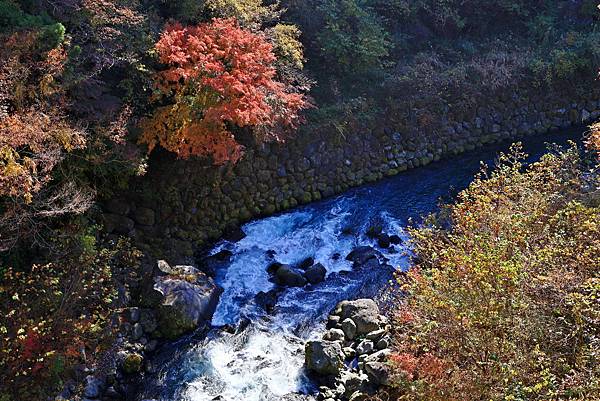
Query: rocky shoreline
[[349, 362], [178, 300]]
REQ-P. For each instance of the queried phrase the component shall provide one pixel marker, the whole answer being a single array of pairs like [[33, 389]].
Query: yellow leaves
[[518, 267], [287, 46]]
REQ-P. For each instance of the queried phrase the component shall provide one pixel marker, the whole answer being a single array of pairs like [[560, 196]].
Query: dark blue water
[[264, 362]]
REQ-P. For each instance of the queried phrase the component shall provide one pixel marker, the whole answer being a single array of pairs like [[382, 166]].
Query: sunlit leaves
[[218, 76]]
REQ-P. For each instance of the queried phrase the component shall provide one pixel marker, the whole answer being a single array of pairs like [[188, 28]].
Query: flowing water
[[264, 361]]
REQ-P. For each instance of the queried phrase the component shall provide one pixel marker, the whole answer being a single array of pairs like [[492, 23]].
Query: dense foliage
[[57, 315], [218, 74], [503, 304], [85, 83]]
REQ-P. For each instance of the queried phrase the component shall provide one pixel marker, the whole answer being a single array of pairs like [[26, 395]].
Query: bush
[[224, 77], [503, 304], [58, 315], [353, 38]]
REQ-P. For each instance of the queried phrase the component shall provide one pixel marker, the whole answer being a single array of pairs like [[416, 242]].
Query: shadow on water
[[264, 361]]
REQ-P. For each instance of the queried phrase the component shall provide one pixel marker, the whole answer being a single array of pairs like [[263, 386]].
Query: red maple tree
[[220, 76]]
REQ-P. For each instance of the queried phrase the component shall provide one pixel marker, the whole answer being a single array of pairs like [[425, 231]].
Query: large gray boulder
[[364, 313], [324, 357], [188, 299]]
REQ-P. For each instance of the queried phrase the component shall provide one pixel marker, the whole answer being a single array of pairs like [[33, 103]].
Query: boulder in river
[[362, 254], [364, 313], [233, 234], [324, 357], [290, 276], [316, 273], [306, 263], [187, 300], [267, 300]]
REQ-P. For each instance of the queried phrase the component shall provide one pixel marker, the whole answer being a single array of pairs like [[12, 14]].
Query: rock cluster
[[307, 272], [180, 299], [350, 359]]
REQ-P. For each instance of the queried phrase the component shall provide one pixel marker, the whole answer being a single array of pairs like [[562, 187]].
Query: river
[[264, 362]]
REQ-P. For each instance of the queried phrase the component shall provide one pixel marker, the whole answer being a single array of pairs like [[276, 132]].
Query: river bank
[[264, 361]]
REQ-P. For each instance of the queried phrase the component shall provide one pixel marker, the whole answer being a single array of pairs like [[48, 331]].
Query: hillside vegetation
[[504, 301], [92, 90]]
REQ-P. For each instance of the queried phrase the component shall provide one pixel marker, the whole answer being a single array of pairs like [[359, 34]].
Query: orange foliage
[[219, 75], [34, 136]]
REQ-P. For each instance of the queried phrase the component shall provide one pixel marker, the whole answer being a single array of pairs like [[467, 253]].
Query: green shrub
[[353, 38]]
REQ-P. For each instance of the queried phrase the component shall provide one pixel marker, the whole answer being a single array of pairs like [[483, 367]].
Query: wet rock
[[306, 263], [270, 253], [332, 321], [360, 255], [267, 300], [290, 276], [315, 274], [395, 239], [273, 267], [349, 328], [364, 312], [384, 241], [374, 231], [213, 263], [324, 357], [188, 300], [234, 234]]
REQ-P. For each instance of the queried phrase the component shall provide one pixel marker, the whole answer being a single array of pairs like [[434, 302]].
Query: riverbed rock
[[267, 300], [349, 328], [234, 234], [362, 254], [353, 381], [306, 263], [334, 335], [364, 312], [211, 264], [365, 347], [324, 357], [315, 274], [188, 300], [378, 372], [290, 276]]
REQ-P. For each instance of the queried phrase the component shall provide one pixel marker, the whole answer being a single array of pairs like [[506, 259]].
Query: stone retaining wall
[[181, 205]]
